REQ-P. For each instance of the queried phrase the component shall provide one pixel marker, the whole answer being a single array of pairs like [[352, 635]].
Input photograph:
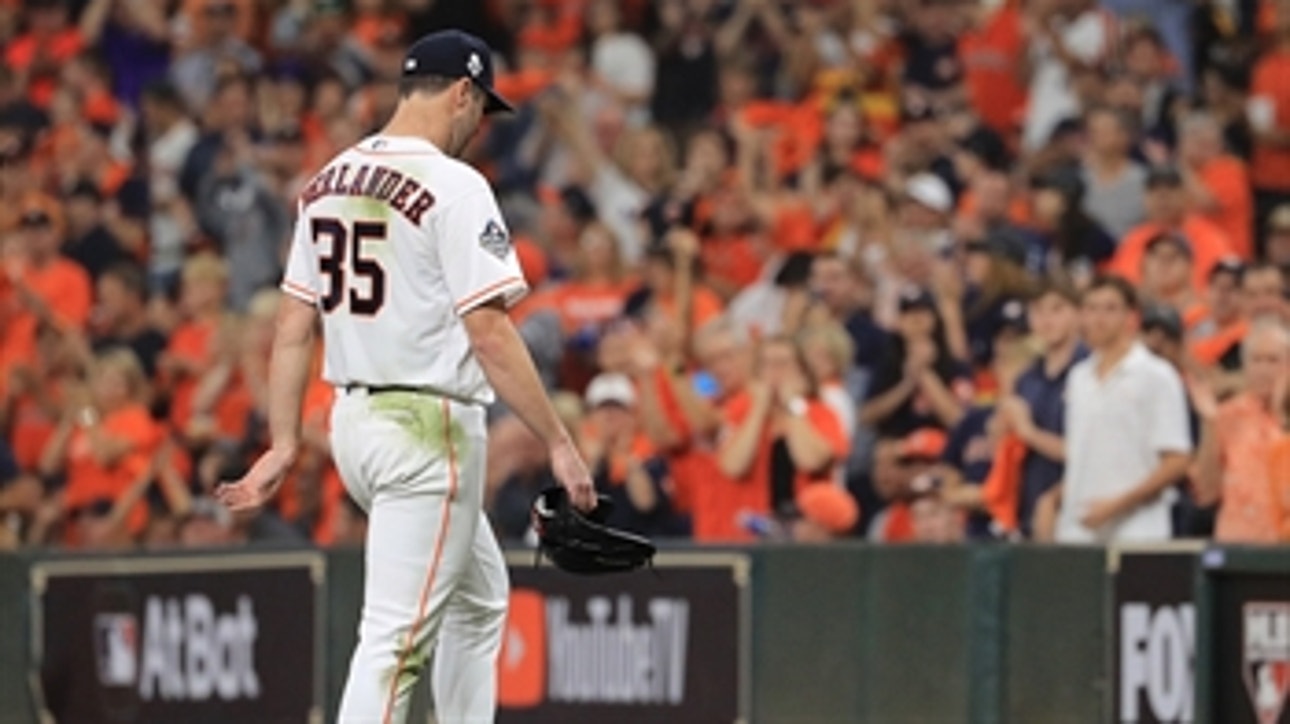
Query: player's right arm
[[293, 347]]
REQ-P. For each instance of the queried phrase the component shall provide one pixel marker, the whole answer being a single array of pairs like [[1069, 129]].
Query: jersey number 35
[[341, 243]]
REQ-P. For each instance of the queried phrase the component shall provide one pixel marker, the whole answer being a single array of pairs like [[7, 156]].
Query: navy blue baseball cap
[[455, 54]]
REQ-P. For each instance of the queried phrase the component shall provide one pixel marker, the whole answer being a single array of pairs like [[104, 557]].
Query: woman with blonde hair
[[105, 446], [828, 351], [786, 438]]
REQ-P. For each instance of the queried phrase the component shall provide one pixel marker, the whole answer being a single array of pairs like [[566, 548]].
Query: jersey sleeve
[[475, 250], [302, 277]]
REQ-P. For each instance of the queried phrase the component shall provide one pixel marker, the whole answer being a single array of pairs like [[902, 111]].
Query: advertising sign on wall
[[179, 639], [1251, 665], [640, 647], [1154, 634]]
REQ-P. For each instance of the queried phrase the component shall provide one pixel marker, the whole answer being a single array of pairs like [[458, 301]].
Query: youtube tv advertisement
[[645, 647]]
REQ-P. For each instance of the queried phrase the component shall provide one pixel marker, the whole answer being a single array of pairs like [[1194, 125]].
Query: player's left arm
[[483, 277], [293, 345]]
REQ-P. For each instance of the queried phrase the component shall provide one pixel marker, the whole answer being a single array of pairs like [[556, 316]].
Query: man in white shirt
[[1127, 439]]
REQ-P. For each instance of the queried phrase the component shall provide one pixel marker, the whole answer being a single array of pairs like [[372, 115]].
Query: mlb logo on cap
[[455, 54]]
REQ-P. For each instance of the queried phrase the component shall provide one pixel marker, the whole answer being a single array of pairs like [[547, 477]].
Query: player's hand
[[572, 474], [259, 484]]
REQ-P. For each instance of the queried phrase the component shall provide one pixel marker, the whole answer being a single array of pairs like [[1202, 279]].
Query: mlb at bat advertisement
[[179, 639], [642, 647]]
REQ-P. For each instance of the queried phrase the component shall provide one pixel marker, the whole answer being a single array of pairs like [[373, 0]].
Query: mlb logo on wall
[[1266, 660], [116, 648]]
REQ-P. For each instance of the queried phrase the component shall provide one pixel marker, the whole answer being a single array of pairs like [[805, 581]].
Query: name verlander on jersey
[[373, 181]]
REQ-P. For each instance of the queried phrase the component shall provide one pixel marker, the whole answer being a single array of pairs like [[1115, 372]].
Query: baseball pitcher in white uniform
[[401, 250]]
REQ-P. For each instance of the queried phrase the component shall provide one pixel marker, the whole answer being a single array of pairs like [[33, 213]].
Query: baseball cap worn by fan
[[610, 388], [925, 443], [829, 507], [455, 54], [929, 190]]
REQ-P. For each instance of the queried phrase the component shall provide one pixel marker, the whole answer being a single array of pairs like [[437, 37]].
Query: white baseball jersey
[[394, 241]]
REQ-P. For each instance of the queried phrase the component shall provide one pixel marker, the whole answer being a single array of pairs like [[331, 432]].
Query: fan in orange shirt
[[1269, 115], [194, 345], [105, 446], [81, 149], [41, 285], [39, 55], [599, 286], [1237, 437], [732, 250], [236, 384], [671, 277], [715, 499], [588, 302], [676, 418], [1279, 474], [1222, 324], [1168, 211], [992, 55], [1217, 183], [374, 21], [38, 395], [1167, 276], [52, 288], [552, 26], [88, 78], [778, 437], [901, 475]]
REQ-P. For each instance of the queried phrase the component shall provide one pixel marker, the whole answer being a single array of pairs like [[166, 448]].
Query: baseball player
[[401, 249]]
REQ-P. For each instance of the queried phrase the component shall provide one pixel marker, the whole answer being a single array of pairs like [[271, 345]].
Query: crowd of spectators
[[929, 271]]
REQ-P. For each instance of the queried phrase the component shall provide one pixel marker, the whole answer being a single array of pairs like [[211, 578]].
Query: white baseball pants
[[435, 576]]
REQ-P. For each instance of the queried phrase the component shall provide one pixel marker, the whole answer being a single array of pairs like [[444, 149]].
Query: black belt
[[407, 389], [383, 389]]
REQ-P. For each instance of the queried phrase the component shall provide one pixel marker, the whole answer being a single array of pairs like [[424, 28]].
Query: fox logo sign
[[1266, 658]]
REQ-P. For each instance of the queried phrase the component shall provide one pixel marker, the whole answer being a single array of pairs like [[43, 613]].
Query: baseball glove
[[582, 543]]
